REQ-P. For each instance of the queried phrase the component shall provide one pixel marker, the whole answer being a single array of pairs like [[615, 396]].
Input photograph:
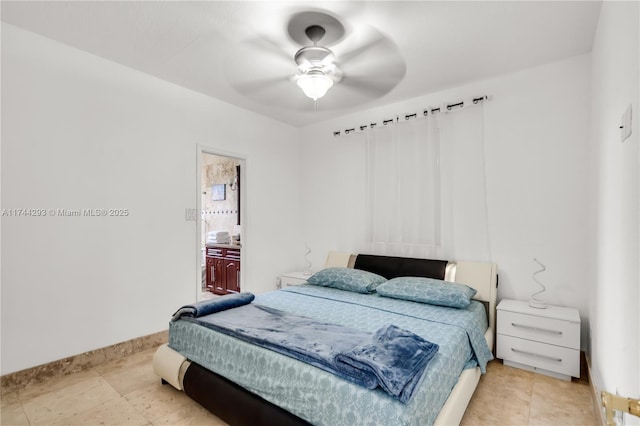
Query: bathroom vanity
[[223, 268]]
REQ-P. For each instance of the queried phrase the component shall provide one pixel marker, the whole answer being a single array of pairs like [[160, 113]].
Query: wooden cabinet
[[223, 270], [542, 340], [232, 274]]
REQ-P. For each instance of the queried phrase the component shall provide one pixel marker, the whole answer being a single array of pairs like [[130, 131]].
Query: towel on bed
[[217, 304], [396, 357]]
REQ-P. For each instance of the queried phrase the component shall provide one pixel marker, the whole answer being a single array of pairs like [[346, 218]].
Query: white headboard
[[483, 277]]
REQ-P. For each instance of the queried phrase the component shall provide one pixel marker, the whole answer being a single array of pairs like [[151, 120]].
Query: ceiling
[[196, 45]]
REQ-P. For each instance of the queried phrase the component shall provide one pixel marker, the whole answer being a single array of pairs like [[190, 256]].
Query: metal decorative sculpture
[[533, 301], [307, 271]]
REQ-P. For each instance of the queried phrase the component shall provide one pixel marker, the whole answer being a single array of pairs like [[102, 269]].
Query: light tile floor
[[511, 396], [127, 392]]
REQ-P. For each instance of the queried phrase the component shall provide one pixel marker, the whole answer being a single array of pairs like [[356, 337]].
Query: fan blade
[[270, 46], [356, 52], [374, 68], [373, 89], [386, 72], [257, 65], [259, 56], [374, 76], [371, 65]]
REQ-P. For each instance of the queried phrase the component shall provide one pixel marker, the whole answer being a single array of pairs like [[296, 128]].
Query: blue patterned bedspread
[[318, 396]]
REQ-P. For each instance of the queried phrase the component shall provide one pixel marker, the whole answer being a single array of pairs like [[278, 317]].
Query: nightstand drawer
[[540, 329], [539, 355]]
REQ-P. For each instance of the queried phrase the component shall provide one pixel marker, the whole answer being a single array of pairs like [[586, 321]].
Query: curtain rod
[[425, 112]]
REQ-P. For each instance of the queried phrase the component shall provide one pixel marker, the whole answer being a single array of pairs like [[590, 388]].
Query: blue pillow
[[428, 290], [348, 279]]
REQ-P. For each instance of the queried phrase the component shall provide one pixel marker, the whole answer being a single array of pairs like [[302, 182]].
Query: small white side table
[[292, 278], [542, 340]]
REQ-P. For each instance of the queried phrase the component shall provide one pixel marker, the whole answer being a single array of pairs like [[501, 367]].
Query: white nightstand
[[542, 340], [292, 278]]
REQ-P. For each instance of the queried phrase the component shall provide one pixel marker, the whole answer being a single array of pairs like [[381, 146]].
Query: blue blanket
[[391, 358], [395, 356], [217, 304]]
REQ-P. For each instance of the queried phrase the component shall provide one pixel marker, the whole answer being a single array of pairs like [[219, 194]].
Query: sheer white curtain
[[403, 182], [426, 187]]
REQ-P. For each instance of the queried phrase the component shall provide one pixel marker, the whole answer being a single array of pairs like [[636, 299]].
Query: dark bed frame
[[239, 407]]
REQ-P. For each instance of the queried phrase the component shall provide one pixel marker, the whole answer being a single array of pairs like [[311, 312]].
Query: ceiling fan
[[316, 65], [316, 54]]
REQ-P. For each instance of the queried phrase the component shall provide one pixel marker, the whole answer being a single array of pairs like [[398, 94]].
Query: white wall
[[82, 132], [537, 151], [615, 296]]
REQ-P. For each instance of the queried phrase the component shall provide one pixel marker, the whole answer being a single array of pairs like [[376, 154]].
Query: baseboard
[[73, 364], [595, 394]]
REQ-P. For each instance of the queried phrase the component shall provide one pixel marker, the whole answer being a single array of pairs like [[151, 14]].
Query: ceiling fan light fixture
[[311, 57], [315, 84]]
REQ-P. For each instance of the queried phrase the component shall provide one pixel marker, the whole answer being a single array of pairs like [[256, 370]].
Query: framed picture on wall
[[218, 192]]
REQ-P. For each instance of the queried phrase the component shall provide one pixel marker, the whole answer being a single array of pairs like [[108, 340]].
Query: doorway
[[220, 225]]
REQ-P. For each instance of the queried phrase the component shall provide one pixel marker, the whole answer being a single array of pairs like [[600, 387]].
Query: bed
[[244, 384]]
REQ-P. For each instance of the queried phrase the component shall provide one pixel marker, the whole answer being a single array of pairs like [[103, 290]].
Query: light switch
[[190, 215], [625, 125]]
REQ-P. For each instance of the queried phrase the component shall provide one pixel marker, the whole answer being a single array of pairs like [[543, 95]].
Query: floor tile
[[190, 415], [556, 401], [56, 383], [133, 375], [13, 415], [112, 412], [52, 407], [502, 397], [157, 401], [9, 398]]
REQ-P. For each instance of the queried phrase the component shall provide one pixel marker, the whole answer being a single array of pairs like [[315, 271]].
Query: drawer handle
[[537, 355], [546, 330]]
